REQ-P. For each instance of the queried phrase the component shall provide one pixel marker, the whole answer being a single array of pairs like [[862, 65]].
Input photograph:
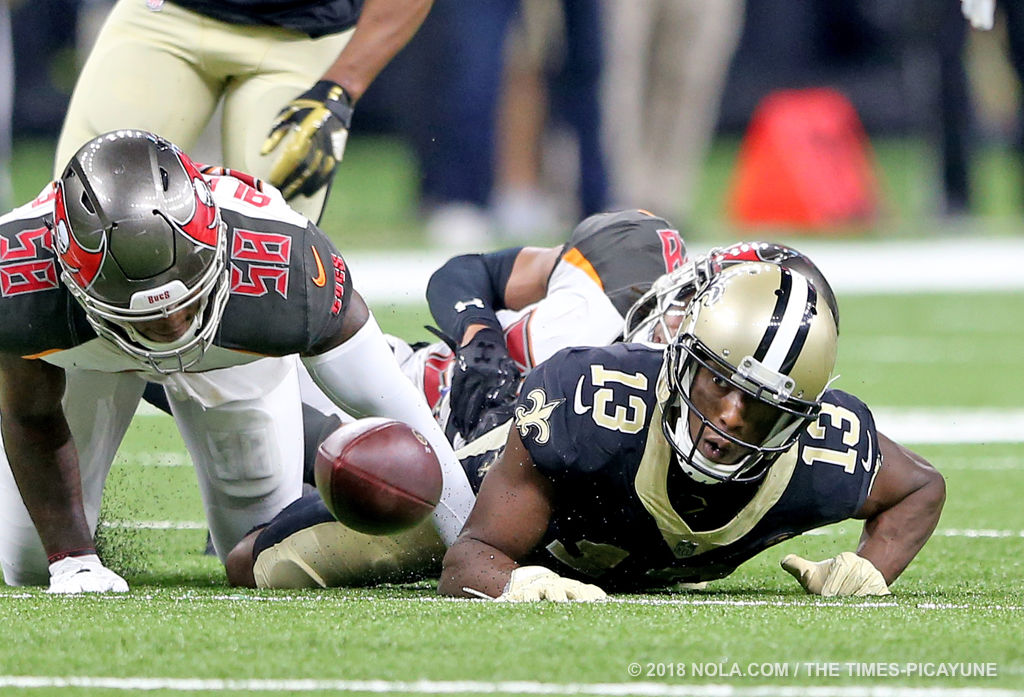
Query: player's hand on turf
[[311, 132], [484, 378], [981, 13], [84, 574], [533, 583], [845, 574]]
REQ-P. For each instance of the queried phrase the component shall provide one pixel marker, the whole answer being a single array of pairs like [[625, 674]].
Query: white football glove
[[84, 574], [846, 574], [532, 583], [981, 13]]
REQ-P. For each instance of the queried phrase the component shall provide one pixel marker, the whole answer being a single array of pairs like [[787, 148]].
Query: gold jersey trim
[[651, 485]]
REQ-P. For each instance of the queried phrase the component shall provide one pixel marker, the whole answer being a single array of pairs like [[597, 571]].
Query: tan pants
[[166, 71], [664, 73]]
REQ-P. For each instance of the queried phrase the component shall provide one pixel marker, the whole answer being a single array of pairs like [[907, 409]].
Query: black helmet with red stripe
[[139, 237], [762, 338]]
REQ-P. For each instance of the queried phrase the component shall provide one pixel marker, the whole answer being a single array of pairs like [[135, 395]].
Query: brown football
[[378, 476]]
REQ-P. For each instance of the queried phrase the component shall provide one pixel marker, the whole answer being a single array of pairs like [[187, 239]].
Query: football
[[378, 476]]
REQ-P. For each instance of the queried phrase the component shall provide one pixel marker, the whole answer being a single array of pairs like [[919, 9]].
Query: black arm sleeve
[[468, 289]]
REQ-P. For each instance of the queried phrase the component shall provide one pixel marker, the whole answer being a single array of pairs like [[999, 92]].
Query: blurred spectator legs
[[460, 157], [6, 105], [667, 61], [1013, 11], [954, 111], [458, 161], [551, 164], [520, 205]]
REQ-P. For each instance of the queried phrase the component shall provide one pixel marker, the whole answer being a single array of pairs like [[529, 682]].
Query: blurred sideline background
[[889, 58]]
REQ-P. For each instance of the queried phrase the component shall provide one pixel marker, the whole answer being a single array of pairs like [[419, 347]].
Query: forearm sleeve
[[469, 289]]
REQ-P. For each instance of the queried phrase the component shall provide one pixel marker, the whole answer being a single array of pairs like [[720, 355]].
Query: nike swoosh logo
[[577, 403], [867, 462], [321, 277]]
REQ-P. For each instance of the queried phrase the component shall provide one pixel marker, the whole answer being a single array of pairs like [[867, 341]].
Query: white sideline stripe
[[525, 687], [154, 524], [694, 600], [964, 263], [829, 531], [951, 425], [948, 532], [937, 426]]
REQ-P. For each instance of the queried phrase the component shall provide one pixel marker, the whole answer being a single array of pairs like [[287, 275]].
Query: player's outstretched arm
[[900, 514], [509, 518], [44, 463], [901, 511], [357, 370], [464, 296], [467, 290], [508, 521], [310, 132], [42, 456]]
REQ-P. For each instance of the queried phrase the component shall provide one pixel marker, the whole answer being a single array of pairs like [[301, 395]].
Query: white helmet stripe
[[789, 329]]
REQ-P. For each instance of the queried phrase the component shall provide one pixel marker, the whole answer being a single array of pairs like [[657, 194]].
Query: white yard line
[[939, 426], [526, 687], [944, 425]]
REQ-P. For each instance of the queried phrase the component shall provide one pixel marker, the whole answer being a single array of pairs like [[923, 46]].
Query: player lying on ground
[[306, 547], [639, 466], [134, 266], [510, 309]]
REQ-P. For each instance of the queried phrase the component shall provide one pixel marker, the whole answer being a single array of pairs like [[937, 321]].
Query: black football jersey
[[617, 248], [626, 515], [289, 284], [314, 18]]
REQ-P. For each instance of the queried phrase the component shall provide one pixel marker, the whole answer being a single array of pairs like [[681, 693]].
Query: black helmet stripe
[[786, 334], [801, 335], [781, 296]]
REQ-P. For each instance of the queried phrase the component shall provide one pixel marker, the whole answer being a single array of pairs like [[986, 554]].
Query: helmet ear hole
[[164, 179]]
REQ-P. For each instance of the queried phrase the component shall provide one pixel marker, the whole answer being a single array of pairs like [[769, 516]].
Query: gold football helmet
[[656, 314], [761, 329]]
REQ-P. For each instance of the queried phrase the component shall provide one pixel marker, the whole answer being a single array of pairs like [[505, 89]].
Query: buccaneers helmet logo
[[81, 263], [202, 226]]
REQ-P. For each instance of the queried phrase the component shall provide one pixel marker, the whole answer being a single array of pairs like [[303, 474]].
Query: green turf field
[[959, 607]]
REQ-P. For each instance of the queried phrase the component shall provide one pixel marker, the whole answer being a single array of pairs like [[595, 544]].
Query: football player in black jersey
[[511, 310], [638, 466], [134, 266]]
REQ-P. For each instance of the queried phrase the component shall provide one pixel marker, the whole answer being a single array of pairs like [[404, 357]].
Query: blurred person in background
[[948, 33], [666, 67], [165, 66], [458, 159], [6, 103]]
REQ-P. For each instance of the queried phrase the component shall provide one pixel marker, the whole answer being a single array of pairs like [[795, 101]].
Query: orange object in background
[[805, 162]]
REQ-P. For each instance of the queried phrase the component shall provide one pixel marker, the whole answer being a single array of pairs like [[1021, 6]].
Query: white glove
[[532, 583], [84, 574], [846, 574], [981, 13]]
